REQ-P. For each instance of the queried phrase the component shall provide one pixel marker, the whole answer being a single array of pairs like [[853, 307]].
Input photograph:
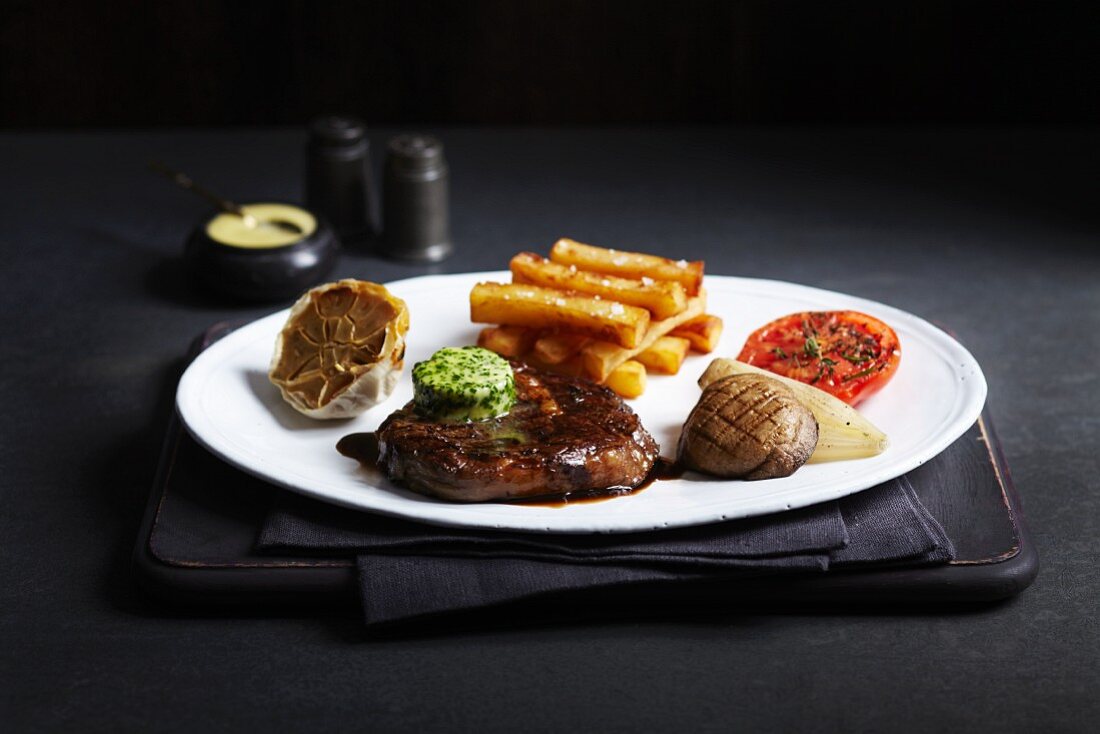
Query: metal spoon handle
[[184, 181]]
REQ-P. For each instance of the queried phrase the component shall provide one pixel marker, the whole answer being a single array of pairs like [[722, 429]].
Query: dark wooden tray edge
[[333, 581]]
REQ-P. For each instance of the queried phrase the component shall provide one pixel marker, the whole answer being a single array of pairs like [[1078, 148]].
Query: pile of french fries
[[607, 315]]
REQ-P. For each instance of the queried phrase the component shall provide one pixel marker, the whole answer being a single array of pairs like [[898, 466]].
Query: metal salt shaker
[[416, 195], [339, 182]]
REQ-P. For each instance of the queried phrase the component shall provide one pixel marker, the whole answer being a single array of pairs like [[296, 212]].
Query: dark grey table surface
[[990, 232]]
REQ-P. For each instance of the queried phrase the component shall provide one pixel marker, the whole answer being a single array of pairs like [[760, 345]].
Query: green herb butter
[[463, 384]]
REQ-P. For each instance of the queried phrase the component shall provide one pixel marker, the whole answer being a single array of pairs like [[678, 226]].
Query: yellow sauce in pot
[[229, 229]]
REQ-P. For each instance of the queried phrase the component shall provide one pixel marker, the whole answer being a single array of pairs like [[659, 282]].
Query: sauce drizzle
[[363, 447], [662, 469]]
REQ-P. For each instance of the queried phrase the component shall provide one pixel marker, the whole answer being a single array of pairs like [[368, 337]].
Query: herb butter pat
[[463, 384]]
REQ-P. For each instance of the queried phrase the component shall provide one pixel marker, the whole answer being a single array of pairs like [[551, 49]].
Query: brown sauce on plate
[[662, 469], [363, 447]]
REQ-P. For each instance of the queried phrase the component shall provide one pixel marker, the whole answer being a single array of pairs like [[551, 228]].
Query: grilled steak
[[563, 435]]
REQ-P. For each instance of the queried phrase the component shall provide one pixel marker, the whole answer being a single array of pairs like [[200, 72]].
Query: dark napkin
[[409, 569]]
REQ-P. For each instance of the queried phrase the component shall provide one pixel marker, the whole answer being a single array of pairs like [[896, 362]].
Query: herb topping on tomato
[[845, 353]]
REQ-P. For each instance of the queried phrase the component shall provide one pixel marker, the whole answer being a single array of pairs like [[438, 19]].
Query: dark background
[[937, 156], [214, 62]]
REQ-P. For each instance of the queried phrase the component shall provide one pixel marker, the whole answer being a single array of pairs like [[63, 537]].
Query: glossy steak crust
[[564, 435]]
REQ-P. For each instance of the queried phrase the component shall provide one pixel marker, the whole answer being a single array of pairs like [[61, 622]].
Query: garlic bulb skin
[[342, 349], [748, 427]]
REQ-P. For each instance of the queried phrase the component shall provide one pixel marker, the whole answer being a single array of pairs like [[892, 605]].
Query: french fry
[[543, 308], [665, 355], [703, 332], [629, 264], [507, 341], [628, 379], [662, 298], [556, 348], [602, 357]]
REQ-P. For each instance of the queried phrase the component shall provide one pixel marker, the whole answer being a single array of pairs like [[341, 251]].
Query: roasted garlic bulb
[[341, 350]]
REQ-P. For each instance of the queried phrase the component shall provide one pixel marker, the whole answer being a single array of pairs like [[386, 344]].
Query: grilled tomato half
[[847, 354]]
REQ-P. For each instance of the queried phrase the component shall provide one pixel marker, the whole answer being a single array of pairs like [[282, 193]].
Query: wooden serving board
[[196, 544]]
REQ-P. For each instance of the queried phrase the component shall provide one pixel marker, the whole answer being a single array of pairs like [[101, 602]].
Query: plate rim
[[967, 402]]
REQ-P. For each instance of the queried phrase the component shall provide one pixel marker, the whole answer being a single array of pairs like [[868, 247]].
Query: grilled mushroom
[[748, 426]]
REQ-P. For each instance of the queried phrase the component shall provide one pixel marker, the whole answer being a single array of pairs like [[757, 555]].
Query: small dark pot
[[258, 275]]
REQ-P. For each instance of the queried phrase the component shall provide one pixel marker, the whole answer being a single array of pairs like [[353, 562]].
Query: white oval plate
[[228, 405]]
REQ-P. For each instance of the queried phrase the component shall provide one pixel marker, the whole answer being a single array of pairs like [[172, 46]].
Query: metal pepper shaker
[[415, 193], [339, 182]]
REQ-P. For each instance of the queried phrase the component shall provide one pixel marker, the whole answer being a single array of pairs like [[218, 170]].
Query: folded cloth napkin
[[409, 569]]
